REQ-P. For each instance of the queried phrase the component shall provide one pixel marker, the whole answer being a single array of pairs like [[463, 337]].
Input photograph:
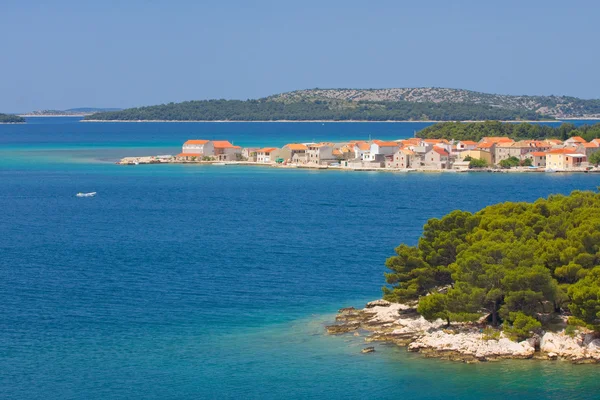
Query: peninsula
[[11, 119], [514, 280], [441, 147], [406, 104]]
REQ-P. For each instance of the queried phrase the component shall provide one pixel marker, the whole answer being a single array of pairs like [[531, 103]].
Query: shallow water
[[180, 281]]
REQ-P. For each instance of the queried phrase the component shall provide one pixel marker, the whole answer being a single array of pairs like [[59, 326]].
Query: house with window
[[437, 158], [294, 152], [565, 158], [225, 151], [381, 149], [198, 146], [463, 145], [361, 150], [538, 159], [401, 159], [266, 155], [320, 153]]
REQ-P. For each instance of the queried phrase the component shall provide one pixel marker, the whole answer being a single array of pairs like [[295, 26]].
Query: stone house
[[320, 153], [294, 152], [266, 155], [225, 151], [402, 158], [437, 158], [197, 146], [538, 159]]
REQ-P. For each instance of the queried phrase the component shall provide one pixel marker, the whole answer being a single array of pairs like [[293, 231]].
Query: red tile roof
[[440, 151], [196, 142], [222, 144], [266, 150]]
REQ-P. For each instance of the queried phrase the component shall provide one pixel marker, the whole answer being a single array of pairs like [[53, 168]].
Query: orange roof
[[336, 152], [409, 152], [497, 139], [386, 144], [555, 141], [296, 146], [196, 142], [538, 154], [485, 145], [468, 142], [577, 139], [363, 146], [591, 144], [435, 141], [266, 150], [565, 150], [222, 144], [440, 151], [189, 155], [236, 147]]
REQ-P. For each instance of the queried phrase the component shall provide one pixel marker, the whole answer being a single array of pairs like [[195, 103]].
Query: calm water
[[187, 281]]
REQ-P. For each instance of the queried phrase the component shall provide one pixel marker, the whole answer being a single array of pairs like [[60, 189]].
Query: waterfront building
[[266, 155]]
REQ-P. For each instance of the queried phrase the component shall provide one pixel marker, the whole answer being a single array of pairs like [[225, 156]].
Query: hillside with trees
[[408, 104], [477, 130], [329, 110], [11, 119], [517, 263]]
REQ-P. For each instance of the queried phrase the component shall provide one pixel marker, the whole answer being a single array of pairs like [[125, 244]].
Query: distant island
[[71, 112], [11, 119], [407, 104]]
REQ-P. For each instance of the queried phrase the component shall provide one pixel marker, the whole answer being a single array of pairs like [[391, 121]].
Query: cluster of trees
[[515, 162], [512, 261], [476, 162], [477, 130], [10, 118], [303, 110]]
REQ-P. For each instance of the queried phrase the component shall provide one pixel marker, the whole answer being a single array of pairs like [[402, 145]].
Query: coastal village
[[414, 154]]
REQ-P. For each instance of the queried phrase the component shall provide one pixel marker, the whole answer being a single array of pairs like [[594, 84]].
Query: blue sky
[[64, 54]]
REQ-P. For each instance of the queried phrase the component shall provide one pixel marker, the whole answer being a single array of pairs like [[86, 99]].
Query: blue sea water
[[184, 281]]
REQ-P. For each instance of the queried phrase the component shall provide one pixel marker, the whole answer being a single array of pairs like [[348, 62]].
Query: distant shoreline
[[328, 121], [47, 116]]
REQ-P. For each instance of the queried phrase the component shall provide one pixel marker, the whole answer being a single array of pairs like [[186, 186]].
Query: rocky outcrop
[[368, 350], [471, 345], [402, 325]]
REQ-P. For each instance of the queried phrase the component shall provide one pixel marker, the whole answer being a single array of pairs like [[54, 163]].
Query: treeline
[[335, 110], [516, 262], [10, 118], [477, 130]]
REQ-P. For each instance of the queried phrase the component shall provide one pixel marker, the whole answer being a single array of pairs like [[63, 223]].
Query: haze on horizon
[[143, 52]]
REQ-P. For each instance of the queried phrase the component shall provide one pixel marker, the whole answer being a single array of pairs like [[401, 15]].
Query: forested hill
[[513, 261], [10, 119], [428, 104], [477, 130]]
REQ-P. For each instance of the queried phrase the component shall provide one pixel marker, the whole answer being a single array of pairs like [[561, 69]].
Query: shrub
[[491, 334], [522, 326]]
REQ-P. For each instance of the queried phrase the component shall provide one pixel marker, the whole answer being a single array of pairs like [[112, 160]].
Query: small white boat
[[219, 163], [90, 194]]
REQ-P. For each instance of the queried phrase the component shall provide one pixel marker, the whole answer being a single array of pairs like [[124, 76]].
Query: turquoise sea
[[206, 282]]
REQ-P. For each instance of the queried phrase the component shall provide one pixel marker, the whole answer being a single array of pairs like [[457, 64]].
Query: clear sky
[[64, 53]]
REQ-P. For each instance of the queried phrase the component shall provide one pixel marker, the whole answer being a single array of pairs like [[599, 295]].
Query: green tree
[[434, 307], [477, 163], [522, 326], [594, 158], [585, 299]]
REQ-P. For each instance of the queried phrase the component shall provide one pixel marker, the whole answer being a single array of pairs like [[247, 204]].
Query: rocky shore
[[400, 324]]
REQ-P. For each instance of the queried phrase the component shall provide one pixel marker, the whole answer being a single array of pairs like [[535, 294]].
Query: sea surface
[[215, 282]]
